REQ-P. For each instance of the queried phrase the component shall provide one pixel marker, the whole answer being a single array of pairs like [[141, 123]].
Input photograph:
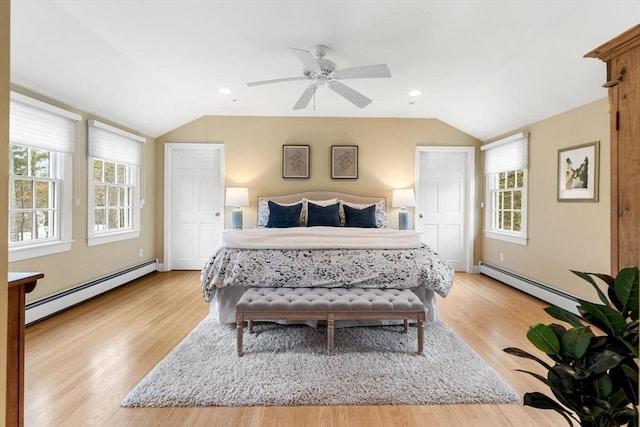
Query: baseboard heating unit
[[530, 286], [53, 304]]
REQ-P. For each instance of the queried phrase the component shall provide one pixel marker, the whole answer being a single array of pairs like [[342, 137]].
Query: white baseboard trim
[[532, 287], [38, 310]]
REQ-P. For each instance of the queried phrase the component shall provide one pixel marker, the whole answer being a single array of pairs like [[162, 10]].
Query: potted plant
[[594, 376]]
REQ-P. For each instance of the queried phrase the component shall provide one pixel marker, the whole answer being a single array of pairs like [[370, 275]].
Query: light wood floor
[[80, 364]]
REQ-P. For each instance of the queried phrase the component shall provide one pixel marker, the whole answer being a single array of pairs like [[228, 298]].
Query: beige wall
[[4, 162], [84, 263], [253, 147], [562, 236]]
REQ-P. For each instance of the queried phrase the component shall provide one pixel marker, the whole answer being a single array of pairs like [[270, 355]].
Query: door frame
[[169, 149], [470, 161]]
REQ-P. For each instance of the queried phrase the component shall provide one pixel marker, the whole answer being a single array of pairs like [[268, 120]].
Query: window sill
[[113, 237], [518, 240], [19, 253]]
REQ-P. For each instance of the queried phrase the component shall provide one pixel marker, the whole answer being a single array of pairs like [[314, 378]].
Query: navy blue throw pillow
[[363, 218], [323, 215], [281, 216]]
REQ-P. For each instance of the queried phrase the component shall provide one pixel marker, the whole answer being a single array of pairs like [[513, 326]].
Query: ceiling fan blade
[[364, 72], [309, 62], [266, 82], [306, 96], [351, 95]]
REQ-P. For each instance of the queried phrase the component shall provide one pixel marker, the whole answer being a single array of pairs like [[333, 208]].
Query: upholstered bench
[[328, 304]]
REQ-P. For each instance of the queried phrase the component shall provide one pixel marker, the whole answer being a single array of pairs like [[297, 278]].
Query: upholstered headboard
[[323, 195]]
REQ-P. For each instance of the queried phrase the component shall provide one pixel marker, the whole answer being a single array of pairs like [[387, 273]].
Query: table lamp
[[403, 198], [237, 197]]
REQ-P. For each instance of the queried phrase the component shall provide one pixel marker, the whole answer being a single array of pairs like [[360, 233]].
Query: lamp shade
[[237, 196], [403, 198]]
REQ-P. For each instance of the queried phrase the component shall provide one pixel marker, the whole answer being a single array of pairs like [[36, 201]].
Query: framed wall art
[[344, 161], [295, 161], [578, 173]]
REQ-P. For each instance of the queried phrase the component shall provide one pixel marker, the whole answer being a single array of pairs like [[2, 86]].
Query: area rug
[[289, 366]]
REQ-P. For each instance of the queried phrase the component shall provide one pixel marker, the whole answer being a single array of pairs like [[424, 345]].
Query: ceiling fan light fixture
[[323, 72], [415, 93], [224, 91]]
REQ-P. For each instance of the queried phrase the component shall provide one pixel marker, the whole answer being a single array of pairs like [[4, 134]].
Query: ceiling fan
[[322, 71]]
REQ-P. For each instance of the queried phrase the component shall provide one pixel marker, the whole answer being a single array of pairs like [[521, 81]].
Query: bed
[[322, 239]]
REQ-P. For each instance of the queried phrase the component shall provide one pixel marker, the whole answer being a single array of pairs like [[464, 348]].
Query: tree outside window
[[33, 195], [507, 198], [113, 196]]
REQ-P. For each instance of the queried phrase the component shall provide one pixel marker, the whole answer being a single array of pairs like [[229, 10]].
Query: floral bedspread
[[347, 268]]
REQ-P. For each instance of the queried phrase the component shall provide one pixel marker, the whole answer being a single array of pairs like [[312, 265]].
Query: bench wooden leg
[[420, 333], [406, 326], [250, 322], [330, 332], [239, 332]]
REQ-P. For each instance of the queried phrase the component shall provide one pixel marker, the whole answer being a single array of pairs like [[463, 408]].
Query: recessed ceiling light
[[224, 91], [415, 93]]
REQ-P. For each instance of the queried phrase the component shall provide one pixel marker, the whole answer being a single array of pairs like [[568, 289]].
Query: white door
[[444, 208], [194, 204]]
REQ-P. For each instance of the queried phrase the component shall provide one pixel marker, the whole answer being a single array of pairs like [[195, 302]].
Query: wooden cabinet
[[19, 285], [622, 56]]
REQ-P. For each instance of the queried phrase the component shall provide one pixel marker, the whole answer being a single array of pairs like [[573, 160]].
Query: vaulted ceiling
[[485, 67]]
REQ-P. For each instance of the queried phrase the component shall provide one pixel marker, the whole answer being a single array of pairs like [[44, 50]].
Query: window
[[113, 188], [115, 158], [33, 210], [505, 169], [41, 145]]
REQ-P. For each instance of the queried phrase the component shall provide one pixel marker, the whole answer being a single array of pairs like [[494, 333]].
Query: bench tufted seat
[[328, 304], [324, 299]]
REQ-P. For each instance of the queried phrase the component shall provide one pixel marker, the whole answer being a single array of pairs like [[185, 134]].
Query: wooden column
[[19, 285], [622, 55]]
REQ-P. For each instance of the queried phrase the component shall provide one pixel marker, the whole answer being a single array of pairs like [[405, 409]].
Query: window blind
[[40, 125], [507, 154], [113, 144]]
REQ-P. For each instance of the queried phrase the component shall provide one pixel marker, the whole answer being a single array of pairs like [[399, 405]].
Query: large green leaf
[[603, 361], [603, 386], [587, 277], [626, 289], [569, 372], [544, 339], [564, 315], [575, 342], [521, 353], [604, 317], [542, 401], [625, 416], [605, 278]]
